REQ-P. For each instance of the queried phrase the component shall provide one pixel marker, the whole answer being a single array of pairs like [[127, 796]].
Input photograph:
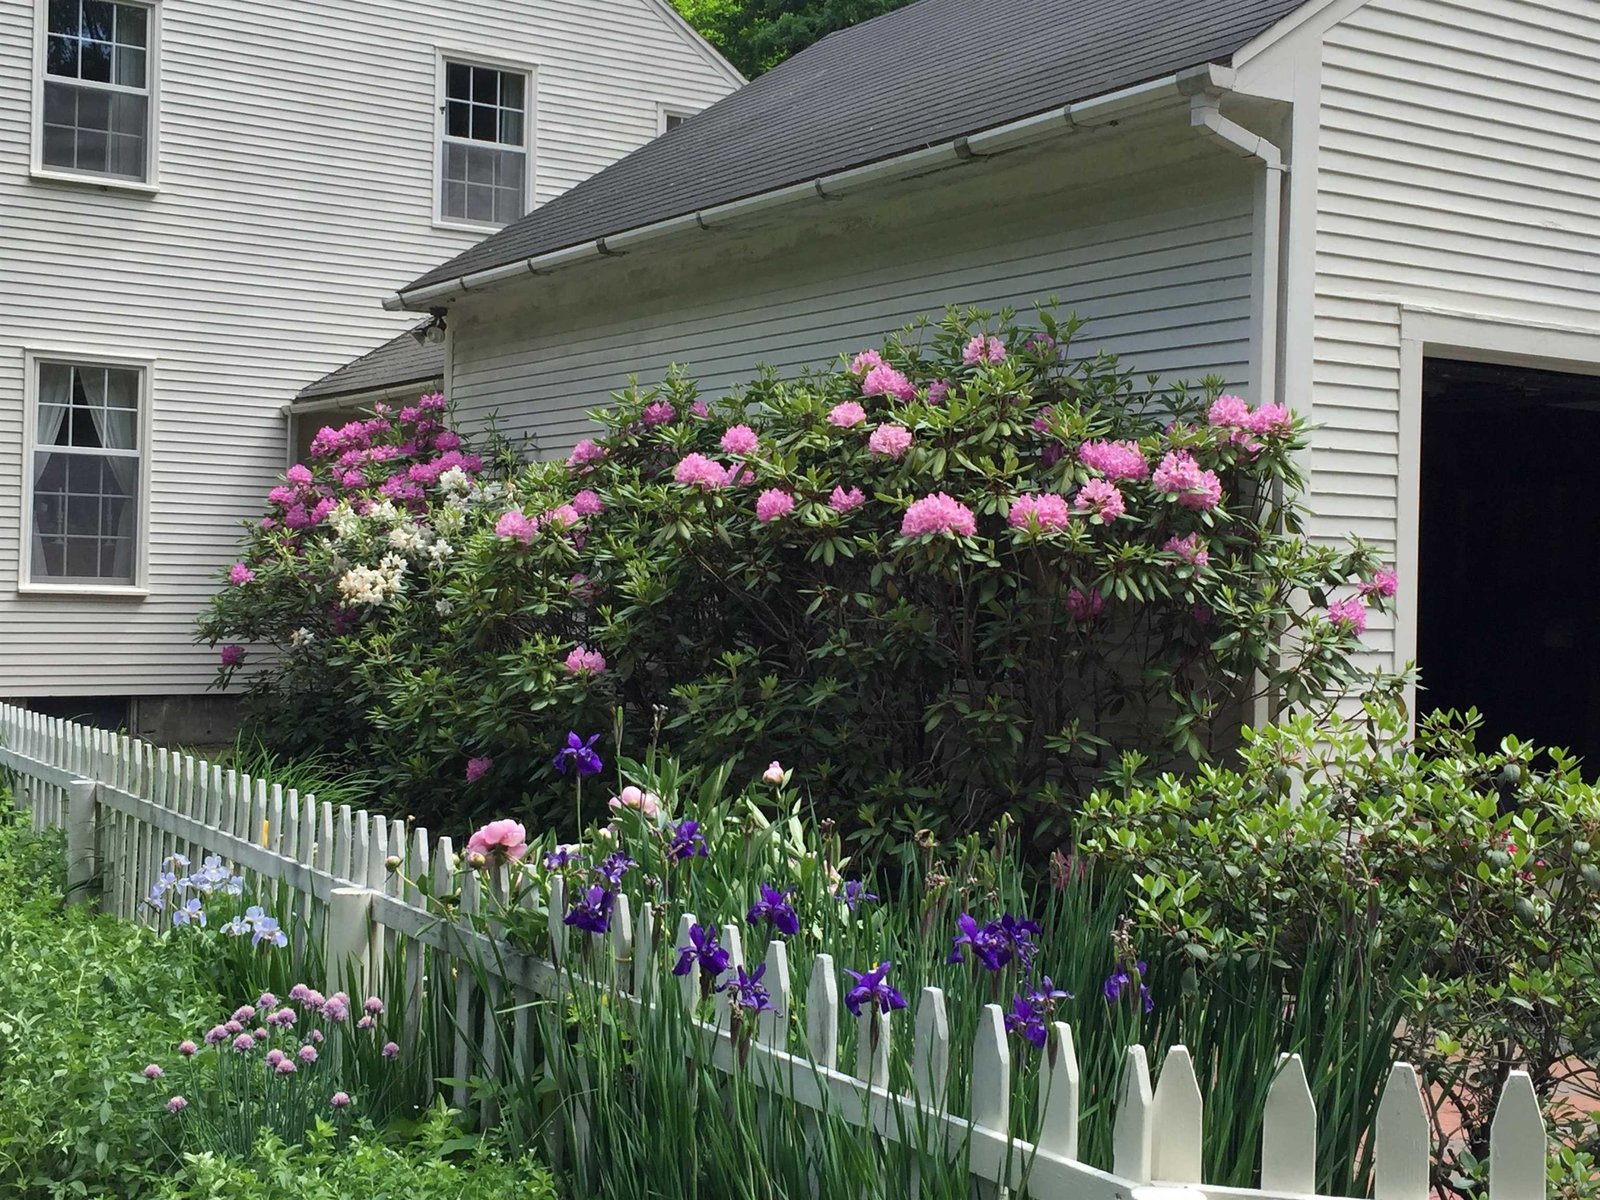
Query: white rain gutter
[[1205, 80], [1206, 117]]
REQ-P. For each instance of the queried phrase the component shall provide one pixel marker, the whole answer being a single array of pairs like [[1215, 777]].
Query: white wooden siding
[[1458, 152], [296, 191], [1160, 266]]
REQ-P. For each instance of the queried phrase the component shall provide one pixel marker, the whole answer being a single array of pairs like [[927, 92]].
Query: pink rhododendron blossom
[[564, 515], [983, 349], [585, 452], [1350, 615], [1115, 460], [239, 573], [1271, 419], [740, 476], [659, 413], [283, 495], [1084, 606], [447, 440], [1100, 498], [1191, 549], [938, 391], [1043, 511], [938, 513], [842, 501], [298, 474], [478, 767], [740, 439], [584, 661], [772, 504], [1384, 582], [1041, 423], [884, 380], [503, 838], [587, 503], [232, 655], [889, 441], [696, 470], [865, 361], [515, 524], [353, 479], [846, 414], [1229, 411], [1180, 475]]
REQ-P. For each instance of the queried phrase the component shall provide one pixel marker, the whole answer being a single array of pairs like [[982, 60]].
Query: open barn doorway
[[1509, 552]]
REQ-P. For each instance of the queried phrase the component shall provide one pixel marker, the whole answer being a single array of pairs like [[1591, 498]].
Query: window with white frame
[[484, 155], [85, 483], [97, 76]]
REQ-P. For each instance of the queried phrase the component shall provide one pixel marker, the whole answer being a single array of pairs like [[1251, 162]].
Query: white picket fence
[[126, 805]]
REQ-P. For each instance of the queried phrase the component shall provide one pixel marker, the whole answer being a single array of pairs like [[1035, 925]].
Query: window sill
[[467, 226], [113, 591], [105, 183]]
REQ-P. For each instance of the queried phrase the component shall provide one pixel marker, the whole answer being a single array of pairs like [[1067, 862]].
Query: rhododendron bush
[[959, 573]]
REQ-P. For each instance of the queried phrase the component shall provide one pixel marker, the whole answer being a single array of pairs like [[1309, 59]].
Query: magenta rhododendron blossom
[[1181, 476], [232, 655], [587, 503], [1115, 460], [1043, 511], [515, 524], [1350, 615], [740, 439], [584, 661], [696, 470], [478, 767], [504, 838], [843, 501], [1084, 605], [772, 504], [1384, 582], [239, 573], [889, 441], [659, 412], [983, 349], [1190, 548], [884, 380], [938, 513], [865, 361], [1100, 498], [846, 413], [299, 474]]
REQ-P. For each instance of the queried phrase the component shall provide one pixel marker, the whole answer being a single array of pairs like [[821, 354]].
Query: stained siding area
[[1457, 165], [1159, 266], [296, 177]]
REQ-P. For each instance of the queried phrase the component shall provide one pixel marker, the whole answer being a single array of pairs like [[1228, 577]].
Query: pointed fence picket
[[369, 890]]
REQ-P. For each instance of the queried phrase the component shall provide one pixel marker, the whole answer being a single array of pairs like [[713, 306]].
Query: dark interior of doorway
[[1509, 566]]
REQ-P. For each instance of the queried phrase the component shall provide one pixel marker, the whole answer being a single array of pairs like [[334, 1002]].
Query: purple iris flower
[[1026, 1019], [703, 949], [614, 868], [1126, 979], [1047, 994], [852, 892], [687, 842], [774, 906], [592, 911], [989, 946], [872, 987], [1019, 933], [561, 856], [746, 990], [581, 754]]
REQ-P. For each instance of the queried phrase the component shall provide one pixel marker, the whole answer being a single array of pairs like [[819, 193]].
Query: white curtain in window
[[55, 394], [114, 427]]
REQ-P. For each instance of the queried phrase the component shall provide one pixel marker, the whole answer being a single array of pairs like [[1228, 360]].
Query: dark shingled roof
[[916, 77], [398, 361]]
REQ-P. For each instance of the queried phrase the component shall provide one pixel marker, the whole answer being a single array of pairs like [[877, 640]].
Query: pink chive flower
[[299, 474], [266, 1000], [390, 1050], [244, 1043], [659, 413], [583, 661], [1229, 411], [1045, 511], [1115, 460], [696, 470], [938, 391], [1181, 476], [846, 413], [587, 503], [372, 1006], [983, 349], [884, 380], [307, 1054], [367, 1022], [1084, 606], [245, 1012], [740, 439], [842, 501], [340, 1100], [274, 1057], [177, 1104], [187, 1049], [889, 441], [772, 504], [285, 1067], [216, 1035], [938, 513], [153, 1072], [239, 574], [1100, 498], [1271, 419], [514, 525], [587, 451], [1384, 582], [478, 767], [233, 1027], [1349, 615], [1191, 549], [865, 361], [231, 655], [504, 838]]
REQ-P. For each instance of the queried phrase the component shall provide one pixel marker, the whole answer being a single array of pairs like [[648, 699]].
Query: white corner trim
[[692, 35], [1315, 16]]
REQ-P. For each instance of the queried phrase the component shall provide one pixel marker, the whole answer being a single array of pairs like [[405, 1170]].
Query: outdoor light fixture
[[431, 331]]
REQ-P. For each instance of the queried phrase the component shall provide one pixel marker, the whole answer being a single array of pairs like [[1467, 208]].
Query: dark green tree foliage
[[757, 35]]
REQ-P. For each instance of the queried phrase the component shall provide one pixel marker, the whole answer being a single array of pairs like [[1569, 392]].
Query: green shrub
[[957, 577]]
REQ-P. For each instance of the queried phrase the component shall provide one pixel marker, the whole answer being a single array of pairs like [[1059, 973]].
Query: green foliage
[[1477, 866], [756, 35], [909, 675]]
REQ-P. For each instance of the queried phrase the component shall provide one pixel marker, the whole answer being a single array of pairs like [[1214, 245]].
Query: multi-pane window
[[85, 492], [97, 73], [485, 152]]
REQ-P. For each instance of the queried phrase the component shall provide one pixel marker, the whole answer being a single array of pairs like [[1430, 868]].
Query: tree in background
[[757, 35]]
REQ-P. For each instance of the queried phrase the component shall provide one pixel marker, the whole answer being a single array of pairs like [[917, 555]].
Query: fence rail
[[126, 806]]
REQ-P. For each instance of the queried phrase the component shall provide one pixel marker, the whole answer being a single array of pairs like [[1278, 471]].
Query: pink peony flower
[[1384, 582], [478, 767], [1115, 460], [239, 573], [846, 414], [983, 349], [1100, 498], [774, 772], [1271, 419], [585, 452], [865, 361], [938, 391], [889, 441], [231, 655], [842, 501], [1084, 606], [772, 504], [299, 474], [648, 803], [1045, 511], [1191, 549], [740, 439], [938, 513], [505, 838], [1229, 411], [587, 503], [583, 661], [884, 380], [1349, 615], [658, 413], [696, 470], [1180, 475]]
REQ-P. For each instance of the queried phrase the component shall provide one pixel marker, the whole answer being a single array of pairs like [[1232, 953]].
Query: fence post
[[349, 939], [81, 805]]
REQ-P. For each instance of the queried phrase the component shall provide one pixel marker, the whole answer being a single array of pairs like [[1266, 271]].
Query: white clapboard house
[[202, 205], [1383, 212]]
